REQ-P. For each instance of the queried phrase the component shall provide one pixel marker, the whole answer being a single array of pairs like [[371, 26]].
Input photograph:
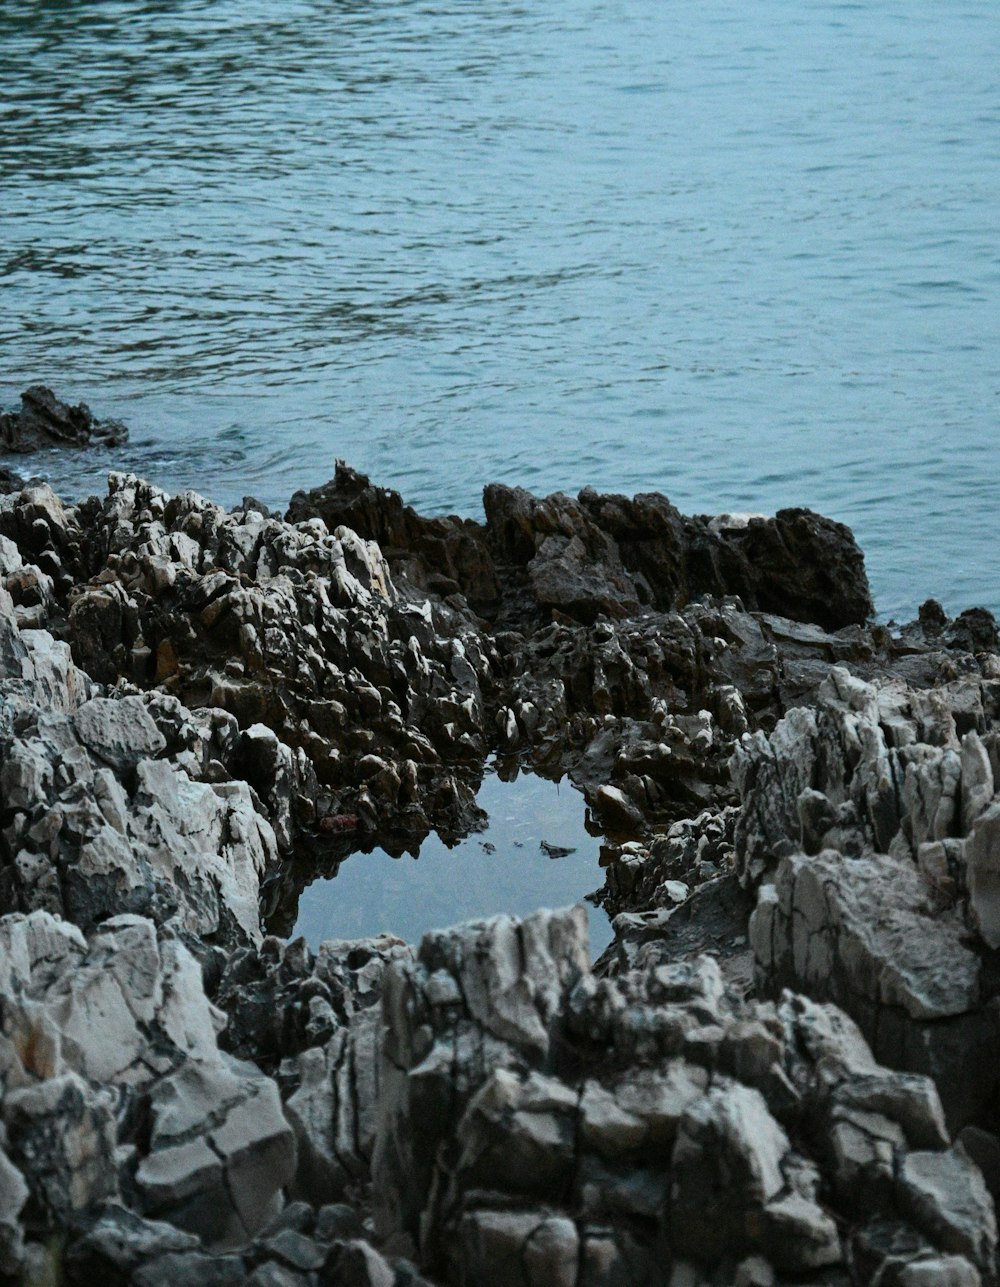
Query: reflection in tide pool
[[502, 869]]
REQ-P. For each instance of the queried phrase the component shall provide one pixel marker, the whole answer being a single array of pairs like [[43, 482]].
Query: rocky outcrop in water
[[43, 421], [783, 1070]]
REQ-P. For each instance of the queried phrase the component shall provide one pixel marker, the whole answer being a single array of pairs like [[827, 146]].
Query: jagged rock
[[860, 932], [875, 785], [691, 852], [93, 827], [121, 733], [360, 1265], [44, 421], [489, 993], [61, 1136], [658, 1100], [736, 1187], [439, 555], [334, 1108], [200, 709], [128, 1010], [283, 999], [191, 1269], [13, 1195], [352, 703], [815, 925], [99, 816], [887, 1251], [946, 1197], [798, 564], [981, 856], [605, 554], [118, 1242], [220, 1151]]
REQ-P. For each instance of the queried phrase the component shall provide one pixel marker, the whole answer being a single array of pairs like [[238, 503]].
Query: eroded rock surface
[[604, 554], [538, 1124], [107, 804], [784, 1068], [866, 824]]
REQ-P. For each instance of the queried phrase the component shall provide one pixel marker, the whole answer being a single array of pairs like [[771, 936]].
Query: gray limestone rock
[[861, 933], [737, 1189], [97, 822], [13, 1195], [61, 1136], [220, 1151], [118, 1243], [945, 1195], [981, 856], [248, 700], [95, 1035], [333, 1111], [848, 928]]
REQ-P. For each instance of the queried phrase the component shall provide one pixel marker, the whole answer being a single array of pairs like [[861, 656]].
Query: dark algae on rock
[[783, 1070]]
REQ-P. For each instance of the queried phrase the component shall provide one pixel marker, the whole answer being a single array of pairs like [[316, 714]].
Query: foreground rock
[[538, 1125], [114, 1085], [526, 1123], [868, 822], [604, 555], [782, 1071]]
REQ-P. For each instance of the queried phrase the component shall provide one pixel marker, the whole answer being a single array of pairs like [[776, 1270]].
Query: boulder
[[44, 421], [111, 1040]]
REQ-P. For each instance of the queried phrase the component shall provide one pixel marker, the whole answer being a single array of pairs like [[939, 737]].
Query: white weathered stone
[[13, 1196], [946, 1196], [982, 864], [220, 1151]]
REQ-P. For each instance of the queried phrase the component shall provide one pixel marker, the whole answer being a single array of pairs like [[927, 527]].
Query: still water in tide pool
[[746, 254], [504, 868]]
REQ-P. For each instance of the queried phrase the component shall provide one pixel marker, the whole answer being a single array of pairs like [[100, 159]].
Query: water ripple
[[744, 255]]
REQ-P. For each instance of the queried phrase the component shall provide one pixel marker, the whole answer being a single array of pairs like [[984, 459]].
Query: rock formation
[[784, 1070], [43, 421]]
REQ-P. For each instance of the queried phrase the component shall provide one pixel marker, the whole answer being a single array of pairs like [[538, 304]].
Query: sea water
[[745, 254]]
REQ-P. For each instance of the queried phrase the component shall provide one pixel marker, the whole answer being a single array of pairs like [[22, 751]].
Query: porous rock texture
[[782, 1071]]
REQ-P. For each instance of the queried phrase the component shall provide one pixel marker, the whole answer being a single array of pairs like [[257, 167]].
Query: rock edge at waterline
[[783, 1070]]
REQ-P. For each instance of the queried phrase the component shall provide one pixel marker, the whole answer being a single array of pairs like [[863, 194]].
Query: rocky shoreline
[[783, 1070]]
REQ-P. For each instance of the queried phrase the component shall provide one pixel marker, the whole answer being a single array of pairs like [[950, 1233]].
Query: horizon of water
[[744, 255]]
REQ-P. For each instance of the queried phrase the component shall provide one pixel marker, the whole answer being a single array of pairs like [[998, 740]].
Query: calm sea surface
[[746, 254]]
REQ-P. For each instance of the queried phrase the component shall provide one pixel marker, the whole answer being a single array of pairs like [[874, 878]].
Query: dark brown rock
[[44, 421], [440, 555], [604, 555]]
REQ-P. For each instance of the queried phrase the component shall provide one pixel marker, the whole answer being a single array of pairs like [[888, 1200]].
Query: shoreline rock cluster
[[784, 1069]]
